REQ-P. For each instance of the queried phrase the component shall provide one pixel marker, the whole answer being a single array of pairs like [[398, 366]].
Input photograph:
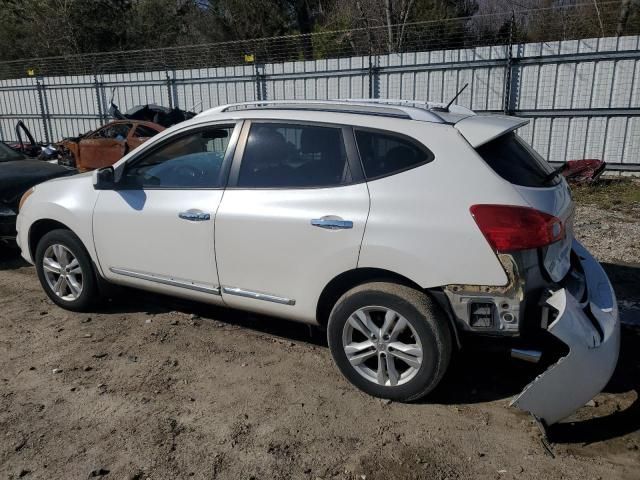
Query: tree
[[42, 28]]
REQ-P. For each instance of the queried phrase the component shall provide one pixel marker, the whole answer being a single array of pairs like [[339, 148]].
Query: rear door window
[[384, 154], [518, 163], [279, 155]]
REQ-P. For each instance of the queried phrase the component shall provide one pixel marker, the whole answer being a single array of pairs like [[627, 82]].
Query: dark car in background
[[18, 173]]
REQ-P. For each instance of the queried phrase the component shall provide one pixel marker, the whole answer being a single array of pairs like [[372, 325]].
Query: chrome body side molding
[[257, 295], [198, 287]]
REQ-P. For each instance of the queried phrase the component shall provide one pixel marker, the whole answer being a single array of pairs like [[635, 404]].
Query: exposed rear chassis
[[591, 330]]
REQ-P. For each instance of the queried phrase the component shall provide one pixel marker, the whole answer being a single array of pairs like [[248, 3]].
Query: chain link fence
[[574, 70]]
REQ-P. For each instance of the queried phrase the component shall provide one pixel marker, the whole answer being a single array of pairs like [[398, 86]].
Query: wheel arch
[[39, 229], [345, 281]]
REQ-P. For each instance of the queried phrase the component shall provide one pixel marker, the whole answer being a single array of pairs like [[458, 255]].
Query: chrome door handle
[[331, 224], [194, 216]]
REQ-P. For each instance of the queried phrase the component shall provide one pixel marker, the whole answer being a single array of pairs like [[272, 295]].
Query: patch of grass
[[621, 194]]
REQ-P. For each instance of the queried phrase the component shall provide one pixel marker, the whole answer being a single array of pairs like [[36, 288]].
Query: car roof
[[476, 129], [391, 108]]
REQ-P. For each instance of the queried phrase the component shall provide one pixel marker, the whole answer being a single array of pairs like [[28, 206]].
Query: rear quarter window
[[384, 154], [518, 163]]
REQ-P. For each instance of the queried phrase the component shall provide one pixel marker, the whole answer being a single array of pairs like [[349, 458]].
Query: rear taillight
[[509, 228]]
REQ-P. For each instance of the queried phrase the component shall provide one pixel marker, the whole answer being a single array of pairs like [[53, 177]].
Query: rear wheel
[[65, 271], [389, 340]]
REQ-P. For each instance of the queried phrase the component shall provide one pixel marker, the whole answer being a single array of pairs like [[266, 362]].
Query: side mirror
[[104, 179]]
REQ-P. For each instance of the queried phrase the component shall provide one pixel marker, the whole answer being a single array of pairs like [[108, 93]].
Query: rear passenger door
[[292, 217]]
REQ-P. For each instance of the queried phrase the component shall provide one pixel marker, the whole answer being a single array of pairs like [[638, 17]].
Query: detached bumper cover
[[578, 377]]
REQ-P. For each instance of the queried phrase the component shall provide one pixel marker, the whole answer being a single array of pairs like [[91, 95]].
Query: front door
[[156, 229], [291, 219]]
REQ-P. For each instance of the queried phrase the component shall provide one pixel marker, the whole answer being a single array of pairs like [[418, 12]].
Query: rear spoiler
[[481, 129]]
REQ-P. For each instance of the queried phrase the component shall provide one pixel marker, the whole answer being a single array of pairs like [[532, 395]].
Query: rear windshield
[[518, 163]]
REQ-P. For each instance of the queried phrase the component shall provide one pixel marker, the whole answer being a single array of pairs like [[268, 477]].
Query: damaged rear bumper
[[591, 330]]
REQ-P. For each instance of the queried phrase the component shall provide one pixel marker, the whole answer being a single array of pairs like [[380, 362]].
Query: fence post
[[103, 96], [172, 91], [261, 82], [512, 73], [44, 109], [101, 108], [374, 78], [506, 101]]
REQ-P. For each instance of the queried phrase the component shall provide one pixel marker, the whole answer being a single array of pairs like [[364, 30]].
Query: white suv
[[401, 227]]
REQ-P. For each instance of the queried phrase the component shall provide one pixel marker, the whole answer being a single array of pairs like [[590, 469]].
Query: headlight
[[6, 212], [26, 195]]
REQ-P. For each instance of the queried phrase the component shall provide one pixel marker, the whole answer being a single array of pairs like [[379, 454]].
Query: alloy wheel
[[63, 272], [382, 346]]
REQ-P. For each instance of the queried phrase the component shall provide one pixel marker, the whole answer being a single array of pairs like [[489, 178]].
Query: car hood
[[73, 177], [16, 177]]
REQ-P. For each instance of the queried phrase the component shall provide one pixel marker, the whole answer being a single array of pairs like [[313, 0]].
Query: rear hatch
[[518, 163]]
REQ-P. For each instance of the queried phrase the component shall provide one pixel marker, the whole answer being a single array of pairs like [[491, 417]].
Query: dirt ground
[[151, 387]]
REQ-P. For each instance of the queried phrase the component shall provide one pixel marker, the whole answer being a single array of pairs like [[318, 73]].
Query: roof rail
[[425, 105], [362, 107]]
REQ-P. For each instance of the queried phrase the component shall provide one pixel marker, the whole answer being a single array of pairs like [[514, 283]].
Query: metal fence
[[582, 94]]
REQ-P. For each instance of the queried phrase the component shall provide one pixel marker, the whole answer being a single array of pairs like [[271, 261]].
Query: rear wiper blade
[[556, 171]]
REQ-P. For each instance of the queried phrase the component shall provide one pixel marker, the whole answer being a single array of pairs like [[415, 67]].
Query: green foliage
[[43, 28]]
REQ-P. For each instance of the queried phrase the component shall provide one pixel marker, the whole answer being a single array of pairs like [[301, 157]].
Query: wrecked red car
[[583, 171], [106, 145]]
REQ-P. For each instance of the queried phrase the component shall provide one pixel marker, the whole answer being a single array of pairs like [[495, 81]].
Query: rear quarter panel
[[419, 224]]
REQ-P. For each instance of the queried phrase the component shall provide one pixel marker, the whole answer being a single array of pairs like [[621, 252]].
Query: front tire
[[65, 271], [390, 341]]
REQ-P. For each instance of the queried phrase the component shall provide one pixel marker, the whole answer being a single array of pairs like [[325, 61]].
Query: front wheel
[[391, 341], [65, 271]]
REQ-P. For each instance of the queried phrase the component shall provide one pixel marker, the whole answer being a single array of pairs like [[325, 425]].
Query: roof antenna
[[446, 109]]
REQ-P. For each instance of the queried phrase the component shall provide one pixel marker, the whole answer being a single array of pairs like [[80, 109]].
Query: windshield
[[7, 154], [517, 162]]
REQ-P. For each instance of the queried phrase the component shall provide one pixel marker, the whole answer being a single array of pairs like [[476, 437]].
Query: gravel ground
[[613, 236], [155, 388]]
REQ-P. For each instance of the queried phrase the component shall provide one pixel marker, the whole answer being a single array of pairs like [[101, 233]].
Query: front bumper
[[22, 237], [591, 330]]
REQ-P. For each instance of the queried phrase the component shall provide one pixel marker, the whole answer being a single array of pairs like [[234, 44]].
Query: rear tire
[[390, 341], [65, 271]]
